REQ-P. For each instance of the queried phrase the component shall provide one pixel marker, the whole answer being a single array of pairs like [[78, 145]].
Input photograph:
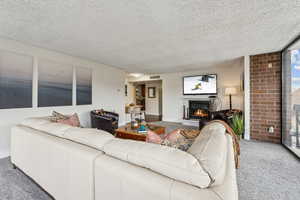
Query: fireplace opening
[[199, 109], [200, 113]]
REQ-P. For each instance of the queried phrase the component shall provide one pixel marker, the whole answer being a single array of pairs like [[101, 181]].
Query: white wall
[[108, 91], [229, 74]]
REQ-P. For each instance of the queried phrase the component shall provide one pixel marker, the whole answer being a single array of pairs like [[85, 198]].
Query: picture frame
[[55, 86], [84, 82], [16, 72], [151, 92]]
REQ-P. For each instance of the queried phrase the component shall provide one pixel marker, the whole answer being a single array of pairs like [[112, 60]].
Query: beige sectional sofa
[[88, 164]]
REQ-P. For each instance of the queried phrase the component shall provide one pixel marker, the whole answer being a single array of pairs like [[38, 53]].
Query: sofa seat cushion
[[164, 160], [91, 137], [210, 149]]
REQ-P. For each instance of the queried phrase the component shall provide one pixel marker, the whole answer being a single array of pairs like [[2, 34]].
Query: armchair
[[104, 120]]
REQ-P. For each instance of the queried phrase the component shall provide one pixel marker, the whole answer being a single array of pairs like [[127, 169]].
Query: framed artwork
[[83, 86], [16, 72], [55, 84], [151, 92]]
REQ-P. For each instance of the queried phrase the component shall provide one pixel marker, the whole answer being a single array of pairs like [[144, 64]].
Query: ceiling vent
[[154, 77]]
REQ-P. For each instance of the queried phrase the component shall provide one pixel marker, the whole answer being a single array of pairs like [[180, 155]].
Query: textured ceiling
[[153, 36]]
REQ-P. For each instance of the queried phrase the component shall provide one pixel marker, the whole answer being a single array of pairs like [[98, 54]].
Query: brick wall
[[265, 94]]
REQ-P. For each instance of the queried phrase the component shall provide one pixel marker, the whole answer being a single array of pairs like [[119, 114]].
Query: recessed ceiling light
[[136, 75]]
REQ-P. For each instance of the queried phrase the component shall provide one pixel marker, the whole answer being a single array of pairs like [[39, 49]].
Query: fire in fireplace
[[200, 113], [198, 109]]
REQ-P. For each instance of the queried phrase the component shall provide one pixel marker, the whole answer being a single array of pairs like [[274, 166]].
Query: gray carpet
[[268, 172], [16, 186]]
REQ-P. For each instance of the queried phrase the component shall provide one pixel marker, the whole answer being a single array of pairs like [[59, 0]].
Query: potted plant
[[237, 124]]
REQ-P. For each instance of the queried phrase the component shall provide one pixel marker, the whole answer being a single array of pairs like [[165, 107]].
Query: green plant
[[237, 124]]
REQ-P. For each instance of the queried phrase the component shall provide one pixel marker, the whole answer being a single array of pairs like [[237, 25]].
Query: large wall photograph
[[55, 84], [83, 86], [15, 80]]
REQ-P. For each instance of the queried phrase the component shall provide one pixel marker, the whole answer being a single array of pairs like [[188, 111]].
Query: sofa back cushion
[[91, 137], [210, 149], [164, 160], [35, 121], [88, 136], [44, 124]]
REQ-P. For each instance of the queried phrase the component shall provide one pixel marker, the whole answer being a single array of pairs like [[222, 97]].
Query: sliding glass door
[[291, 97]]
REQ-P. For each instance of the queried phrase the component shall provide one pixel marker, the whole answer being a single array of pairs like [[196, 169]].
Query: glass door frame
[[295, 40]]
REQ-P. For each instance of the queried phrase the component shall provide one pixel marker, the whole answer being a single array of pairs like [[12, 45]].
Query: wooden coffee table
[[126, 132]]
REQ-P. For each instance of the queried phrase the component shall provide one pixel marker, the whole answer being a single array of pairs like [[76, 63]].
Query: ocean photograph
[[16, 73], [55, 84], [83, 86]]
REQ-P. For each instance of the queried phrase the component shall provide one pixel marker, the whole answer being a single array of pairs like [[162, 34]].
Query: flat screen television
[[200, 85]]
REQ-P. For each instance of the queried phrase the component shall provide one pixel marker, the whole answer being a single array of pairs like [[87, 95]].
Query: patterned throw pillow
[[177, 140], [56, 116], [189, 133], [72, 121], [180, 139]]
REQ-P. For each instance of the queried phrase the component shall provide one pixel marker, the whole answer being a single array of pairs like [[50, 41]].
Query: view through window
[[291, 98]]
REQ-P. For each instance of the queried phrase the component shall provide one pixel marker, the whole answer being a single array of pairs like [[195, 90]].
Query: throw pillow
[[153, 138], [180, 139], [177, 140], [189, 133], [173, 136], [56, 116], [72, 121]]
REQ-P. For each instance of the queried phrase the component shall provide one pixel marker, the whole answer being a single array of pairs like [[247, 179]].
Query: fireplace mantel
[[205, 97]]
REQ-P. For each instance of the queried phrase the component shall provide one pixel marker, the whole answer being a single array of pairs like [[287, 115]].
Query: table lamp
[[230, 91]]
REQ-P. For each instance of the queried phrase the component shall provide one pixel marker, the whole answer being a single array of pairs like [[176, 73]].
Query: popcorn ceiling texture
[[153, 36]]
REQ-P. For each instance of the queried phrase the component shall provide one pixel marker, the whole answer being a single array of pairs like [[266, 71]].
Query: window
[[291, 97]]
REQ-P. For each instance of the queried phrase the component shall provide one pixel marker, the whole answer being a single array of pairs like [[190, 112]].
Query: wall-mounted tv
[[200, 85]]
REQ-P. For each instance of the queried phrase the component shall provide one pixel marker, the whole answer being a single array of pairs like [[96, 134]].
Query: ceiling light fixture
[[136, 75]]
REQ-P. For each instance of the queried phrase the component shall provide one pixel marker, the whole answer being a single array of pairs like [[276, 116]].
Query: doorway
[[148, 96], [140, 96]]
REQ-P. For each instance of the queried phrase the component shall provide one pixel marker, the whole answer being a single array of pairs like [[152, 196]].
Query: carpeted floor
[[268, 172], [16, 186]]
